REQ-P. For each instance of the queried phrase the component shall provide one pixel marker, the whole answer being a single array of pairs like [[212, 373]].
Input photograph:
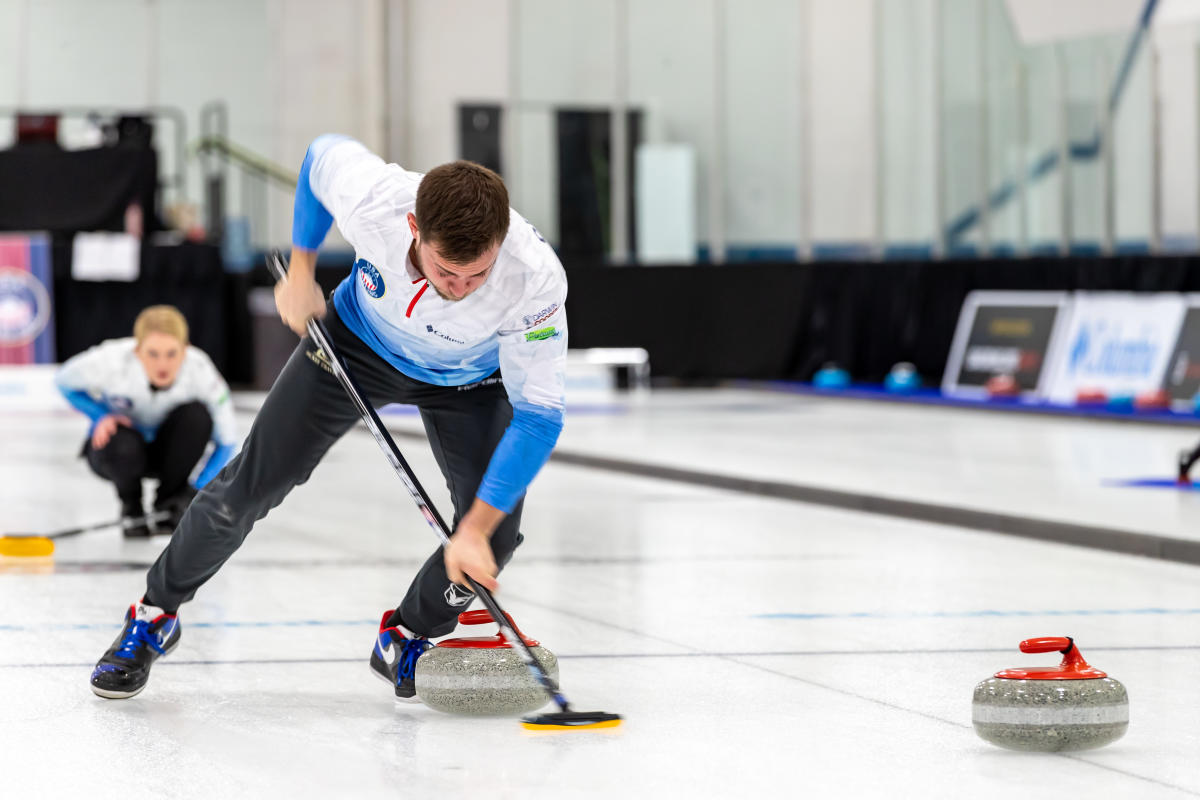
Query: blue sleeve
[[310, 220], [219, 458], [85, 403], [522, 451]]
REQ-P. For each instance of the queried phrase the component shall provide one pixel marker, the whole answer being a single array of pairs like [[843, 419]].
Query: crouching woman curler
[[155, 402]]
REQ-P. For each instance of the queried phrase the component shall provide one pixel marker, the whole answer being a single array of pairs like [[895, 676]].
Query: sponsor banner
[[1117, 343], [26, 304], [1004, 333], [1182, 379]]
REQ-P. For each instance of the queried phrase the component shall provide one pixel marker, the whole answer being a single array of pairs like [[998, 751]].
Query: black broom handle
[[123, 522]]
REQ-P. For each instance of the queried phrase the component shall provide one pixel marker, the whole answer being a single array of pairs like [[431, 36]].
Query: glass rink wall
[[893, 128], [667, 131]]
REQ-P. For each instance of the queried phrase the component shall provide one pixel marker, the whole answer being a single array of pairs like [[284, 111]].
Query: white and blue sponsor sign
[[1116, 343]]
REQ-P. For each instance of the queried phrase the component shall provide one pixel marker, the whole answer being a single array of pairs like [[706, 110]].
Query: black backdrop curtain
[[782, 321], [47, 189]]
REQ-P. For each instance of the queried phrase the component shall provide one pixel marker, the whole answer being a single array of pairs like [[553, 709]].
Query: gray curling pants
[[305, 412]]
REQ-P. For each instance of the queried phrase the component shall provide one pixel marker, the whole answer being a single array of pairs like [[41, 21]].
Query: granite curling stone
[[482, 676], [1073, 706]]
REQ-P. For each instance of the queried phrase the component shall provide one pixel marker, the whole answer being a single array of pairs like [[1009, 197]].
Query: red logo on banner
[[26, 304]]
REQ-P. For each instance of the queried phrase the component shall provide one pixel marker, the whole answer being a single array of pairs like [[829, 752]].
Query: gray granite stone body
[[481, 681], [1050, 715]]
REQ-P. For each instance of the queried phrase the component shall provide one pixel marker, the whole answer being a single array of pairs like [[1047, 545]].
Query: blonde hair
[[160, 319]]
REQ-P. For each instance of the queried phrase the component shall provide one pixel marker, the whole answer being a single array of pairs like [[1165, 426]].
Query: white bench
[[598, 368]]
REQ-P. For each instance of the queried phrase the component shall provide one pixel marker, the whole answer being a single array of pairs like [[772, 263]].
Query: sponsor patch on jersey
[[372, 281], [440, 335], [119, 402], [540, 317], [544, 333], [478, 384]]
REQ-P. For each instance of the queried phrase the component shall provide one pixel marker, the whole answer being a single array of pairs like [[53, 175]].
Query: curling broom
[[564, 718]]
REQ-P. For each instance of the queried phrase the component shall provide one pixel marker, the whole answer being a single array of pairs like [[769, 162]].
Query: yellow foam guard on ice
[[591, 726], [26, 546]]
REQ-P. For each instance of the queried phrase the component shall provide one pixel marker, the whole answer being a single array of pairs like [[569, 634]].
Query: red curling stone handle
[[482, 616], [1073, 666], [1043, 644], [479, 616]]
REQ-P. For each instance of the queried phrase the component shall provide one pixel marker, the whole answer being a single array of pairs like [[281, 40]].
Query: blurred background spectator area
[[863, 164]]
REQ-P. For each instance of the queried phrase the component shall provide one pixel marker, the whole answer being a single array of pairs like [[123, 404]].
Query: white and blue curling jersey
[[109, 379], [514, 322]]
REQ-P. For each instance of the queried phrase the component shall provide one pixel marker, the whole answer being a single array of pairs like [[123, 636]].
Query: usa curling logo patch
[[372, 281]]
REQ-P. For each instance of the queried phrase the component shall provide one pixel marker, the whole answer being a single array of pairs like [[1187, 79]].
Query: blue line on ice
[[325, 623], [292, 623], [1048, 612]]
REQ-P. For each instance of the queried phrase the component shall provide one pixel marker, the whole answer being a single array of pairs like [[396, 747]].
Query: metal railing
[[256, 174], [1098, 145]]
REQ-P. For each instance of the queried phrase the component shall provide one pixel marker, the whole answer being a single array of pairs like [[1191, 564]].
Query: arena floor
[[756, 646]]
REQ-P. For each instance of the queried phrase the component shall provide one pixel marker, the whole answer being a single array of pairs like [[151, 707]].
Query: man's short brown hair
[[462, 210]]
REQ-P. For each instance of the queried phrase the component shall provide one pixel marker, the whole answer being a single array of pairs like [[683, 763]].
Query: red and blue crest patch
[[370, 277]]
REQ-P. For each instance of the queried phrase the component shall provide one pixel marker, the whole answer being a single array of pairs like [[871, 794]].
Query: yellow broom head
[[571, 721], [26, 546]]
